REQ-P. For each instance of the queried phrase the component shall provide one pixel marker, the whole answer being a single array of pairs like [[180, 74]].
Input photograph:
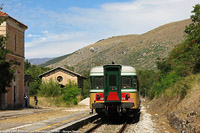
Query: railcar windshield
[[126, 82], [112, 81], [98, 82]]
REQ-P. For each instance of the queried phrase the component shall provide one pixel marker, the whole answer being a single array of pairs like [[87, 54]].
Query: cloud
[[30, 35], [53, 45], [45, 32], [55, 48], [135, 17], [75, 27]]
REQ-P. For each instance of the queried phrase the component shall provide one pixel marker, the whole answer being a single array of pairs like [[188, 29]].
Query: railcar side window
[[135, 82], [98, 82], [126, 82], [112, 81]]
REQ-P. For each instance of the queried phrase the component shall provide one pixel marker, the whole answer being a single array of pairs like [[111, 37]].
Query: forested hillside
[[175, 88], [182, 61]]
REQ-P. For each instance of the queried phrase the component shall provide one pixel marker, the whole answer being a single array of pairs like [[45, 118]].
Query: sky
[[59, 27]]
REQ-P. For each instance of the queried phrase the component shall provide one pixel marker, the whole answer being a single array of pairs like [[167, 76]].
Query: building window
[[15, 42], [14, 95], [59, 78]]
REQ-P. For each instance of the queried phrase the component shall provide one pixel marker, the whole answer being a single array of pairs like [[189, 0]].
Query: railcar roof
[[99, 71]]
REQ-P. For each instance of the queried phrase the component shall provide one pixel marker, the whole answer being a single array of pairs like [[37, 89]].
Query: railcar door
[[112, 78]]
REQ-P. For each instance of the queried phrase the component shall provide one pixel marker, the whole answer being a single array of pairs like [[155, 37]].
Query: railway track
[[73, 126], [94, 127], [122, 129], [104, 122]]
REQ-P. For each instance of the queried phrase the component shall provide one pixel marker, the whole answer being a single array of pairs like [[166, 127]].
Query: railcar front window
[[98, 82], [112, 81], [126, 82]]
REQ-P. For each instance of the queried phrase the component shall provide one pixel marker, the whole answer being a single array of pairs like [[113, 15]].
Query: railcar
[[114, 88]]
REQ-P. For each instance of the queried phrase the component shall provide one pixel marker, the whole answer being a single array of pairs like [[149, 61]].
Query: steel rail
[[94, 127], [123, 128]]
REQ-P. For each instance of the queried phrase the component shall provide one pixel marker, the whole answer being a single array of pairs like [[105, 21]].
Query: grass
[[51, 101], [198, 115], [35, 117], [182, 86], [48, 102]]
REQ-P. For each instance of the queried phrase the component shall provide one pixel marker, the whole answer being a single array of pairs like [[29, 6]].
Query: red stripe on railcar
[[99, 96], [126, 97], [112, 96]]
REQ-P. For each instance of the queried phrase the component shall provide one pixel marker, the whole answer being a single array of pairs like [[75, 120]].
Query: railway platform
[[5, 114], [40, 119]]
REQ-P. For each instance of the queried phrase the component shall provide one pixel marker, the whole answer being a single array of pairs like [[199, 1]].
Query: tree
[[34, 71], [6, 72], [193, 38], [184, 59], [86, 84], [27, 65], [6, 69], [193, 29], [146, 79]]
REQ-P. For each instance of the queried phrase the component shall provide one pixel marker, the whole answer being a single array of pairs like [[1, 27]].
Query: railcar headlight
[[98, 96], [127, 96]]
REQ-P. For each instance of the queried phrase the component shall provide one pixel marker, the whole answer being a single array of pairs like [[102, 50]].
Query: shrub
[[86, 84], [71, 91], [182, 86], [164, 83], [68, 94], [50, 88], [146, 79]]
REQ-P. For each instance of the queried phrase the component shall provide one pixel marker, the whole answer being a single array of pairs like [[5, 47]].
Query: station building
[[14, 31], [63, 76]]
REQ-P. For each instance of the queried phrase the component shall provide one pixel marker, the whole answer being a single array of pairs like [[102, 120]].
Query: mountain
[[140, 51], [38, 61], [53, 61]]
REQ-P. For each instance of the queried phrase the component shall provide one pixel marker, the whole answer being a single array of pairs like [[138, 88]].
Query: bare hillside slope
[[140, 51], [182, 113]]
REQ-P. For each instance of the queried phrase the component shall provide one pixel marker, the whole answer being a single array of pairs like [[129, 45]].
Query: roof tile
[[3, 14]]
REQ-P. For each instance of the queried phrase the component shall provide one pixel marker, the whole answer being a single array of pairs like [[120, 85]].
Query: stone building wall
[[66, 77], [14, 31]]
